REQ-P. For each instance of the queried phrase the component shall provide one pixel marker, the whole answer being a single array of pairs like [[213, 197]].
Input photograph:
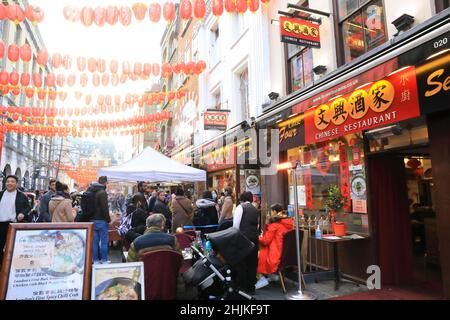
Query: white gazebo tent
[[152, 166]]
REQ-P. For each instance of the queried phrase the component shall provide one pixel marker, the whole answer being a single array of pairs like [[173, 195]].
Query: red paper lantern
[[95, 79], [16, 91], [217, 7], [13, 52], [88, 100], [52, 95], [87, 16], [169, 11], [199, 9], [230, 6], [25, 53], [100, 16], [115, 79], [56, 60], [62, 96], [108, 100], [2, 49], [37, 80], [114, 66], [34, 14], [147, 69], [29, 93], [3, 11], [126, 67], [92, 64], [101, 65], [83, 80], [71, 14], [125, 16], [25, 79], [61, 80], [15, 13], [265, 2], [166, 70], [41, 94], [67, 62], [156, 69], [81, 63], [50, 80], [253, 5], [137, 70], [71, 80], [154, 12], [185, 9], [14, 78], [42, 57], [105, 79], [139, 10], [242, 6], [112, 15]]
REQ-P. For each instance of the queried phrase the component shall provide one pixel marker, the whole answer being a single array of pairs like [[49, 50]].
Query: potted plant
[[335, 204]]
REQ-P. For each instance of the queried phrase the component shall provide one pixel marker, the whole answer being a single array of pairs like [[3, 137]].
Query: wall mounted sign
[[215, 120], [46, 261], [299, 32], [373, 105], [292, 133]]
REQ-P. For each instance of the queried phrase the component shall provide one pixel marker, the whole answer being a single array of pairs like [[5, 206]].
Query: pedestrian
[[161, 207], [35, 215], [14, 206], [121, 203], [227, 205], [141, 194], [246, 219], [60, 206], [138, 219], [182, 210], [38, 194], [151, 201], [153, 238], [206, 213], [271, 244], [45, 199], [101, 220]]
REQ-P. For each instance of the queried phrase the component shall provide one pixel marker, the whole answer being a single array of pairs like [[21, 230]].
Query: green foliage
[[335, 201]]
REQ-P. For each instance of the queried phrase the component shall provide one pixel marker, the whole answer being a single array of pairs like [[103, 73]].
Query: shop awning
[[152, 166]]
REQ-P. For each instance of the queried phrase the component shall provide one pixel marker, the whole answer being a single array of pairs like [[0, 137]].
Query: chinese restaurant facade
[[379, 131]]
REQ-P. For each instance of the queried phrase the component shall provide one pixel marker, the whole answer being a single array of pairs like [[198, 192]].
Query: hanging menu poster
[[47, 265]]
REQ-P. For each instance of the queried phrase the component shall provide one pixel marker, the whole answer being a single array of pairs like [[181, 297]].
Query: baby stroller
[[212, 274]]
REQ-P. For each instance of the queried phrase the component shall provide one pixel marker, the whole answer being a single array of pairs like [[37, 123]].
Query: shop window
[[243, 94], [333, 163], [441, 5], [300, 62], [363, 26]]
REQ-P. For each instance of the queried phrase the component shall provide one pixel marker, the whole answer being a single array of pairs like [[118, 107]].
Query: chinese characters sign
[[299, 32], [387, 101], [215, 120], [47, 265]]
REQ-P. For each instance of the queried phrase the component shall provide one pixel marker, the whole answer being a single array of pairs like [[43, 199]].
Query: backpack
[[88, 206], [125, 225], [200, 217]]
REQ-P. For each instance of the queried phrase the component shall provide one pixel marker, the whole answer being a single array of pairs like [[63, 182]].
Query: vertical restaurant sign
[[215, 120], [299, 32], [307, 176], [433, 81], [292, 133], [345, 174], [373, 105]]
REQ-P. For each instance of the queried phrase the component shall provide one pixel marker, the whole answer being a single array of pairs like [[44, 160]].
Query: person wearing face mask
[[14, 206]]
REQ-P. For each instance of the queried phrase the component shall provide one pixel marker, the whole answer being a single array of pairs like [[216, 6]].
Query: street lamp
[[299, 295]]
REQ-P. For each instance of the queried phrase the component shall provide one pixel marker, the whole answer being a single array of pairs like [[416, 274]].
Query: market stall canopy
[[152, 166]]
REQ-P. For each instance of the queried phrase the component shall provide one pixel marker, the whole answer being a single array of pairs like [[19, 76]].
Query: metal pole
[[299, 295], [59, 158]]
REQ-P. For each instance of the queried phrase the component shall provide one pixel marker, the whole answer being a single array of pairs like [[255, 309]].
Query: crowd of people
[[151, 217]]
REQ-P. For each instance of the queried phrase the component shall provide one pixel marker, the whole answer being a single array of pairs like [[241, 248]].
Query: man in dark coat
[[207, 213], [161, 207], [14, 207], [101, 219], [140, 195], [45, 200]]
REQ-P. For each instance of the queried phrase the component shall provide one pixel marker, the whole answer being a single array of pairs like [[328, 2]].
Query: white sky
[[139, 42]]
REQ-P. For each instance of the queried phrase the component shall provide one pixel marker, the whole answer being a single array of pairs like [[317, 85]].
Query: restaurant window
[[300, 62], [214, 48], [243, 94], [340, 163], [363, 26], [441, 5]]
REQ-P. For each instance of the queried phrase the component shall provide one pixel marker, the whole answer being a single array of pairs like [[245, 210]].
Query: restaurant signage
[[215, 120], [373, 105], [292, 133], [47, 262], [299, 32], [433, 81]]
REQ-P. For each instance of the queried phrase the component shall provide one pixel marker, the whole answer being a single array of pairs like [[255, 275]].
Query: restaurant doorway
[[404, 208]]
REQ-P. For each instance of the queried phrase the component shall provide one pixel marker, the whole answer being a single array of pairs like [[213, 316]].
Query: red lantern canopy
[[101, 65], [37, 80], [87, 16], [125, 16], [95, 79], [105, 79], [71, 14], [230, 6], [100, 16], [34, 14], [139, 10], [25, 53], [154, 12], [42, 57], [56, 60], [112, 15], [13, 52], [92, 64], [14, 78], [185, 9], [15, 13], [169, 11], [71, 80], [199, 9], [25, 79], [50, 80], [81, 63], [242, 6], [253, 5], [156, 69]]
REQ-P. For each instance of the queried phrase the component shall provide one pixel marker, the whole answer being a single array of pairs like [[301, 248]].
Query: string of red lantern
[[16, 14], [113, 14]]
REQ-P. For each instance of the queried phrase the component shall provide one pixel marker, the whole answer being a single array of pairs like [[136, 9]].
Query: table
[[335, 242]]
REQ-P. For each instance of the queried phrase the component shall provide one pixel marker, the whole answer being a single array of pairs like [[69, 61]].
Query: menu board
[[118, 281], [47, 262]]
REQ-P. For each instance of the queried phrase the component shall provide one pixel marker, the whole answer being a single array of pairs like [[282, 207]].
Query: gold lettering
[[438, 85]]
